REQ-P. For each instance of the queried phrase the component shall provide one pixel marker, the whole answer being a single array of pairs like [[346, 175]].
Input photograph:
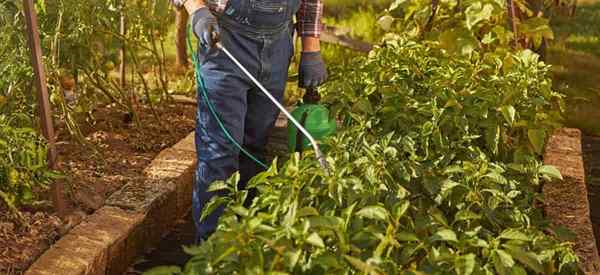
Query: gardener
[[259, 34]]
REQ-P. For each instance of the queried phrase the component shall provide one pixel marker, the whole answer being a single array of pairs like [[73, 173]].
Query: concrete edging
[[132, 219], [566, 201]]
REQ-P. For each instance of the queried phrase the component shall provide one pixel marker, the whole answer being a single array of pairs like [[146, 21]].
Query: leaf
[[444, 235], [514, 234], [528, 259], [307, 211], [509, 112], [503, 262], [315, 240], [217, 186], [447, 186], [477, 13], [361, 266], [397, 4], [328, 222], [537, 138], [292, 257], [212, 205], [375, 212], [565, 234], [406, 236], [385, 22], [400, 209], [466, 215], [459, 41], [550, 171], [492, 137], [464, 264], [496, 177]]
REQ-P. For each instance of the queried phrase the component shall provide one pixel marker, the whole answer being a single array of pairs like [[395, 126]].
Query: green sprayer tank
[[314, 117]]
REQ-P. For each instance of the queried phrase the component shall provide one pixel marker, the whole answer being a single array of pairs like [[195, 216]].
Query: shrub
[[436, 172]]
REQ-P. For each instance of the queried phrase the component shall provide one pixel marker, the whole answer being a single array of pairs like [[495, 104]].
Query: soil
[[118, 151]]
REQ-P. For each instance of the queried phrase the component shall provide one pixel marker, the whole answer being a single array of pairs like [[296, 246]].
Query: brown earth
[[118, 153]]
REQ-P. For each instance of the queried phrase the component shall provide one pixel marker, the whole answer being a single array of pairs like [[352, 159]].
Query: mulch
[[118, 151]]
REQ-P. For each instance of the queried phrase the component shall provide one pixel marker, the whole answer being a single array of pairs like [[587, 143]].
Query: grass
[[575, 55]]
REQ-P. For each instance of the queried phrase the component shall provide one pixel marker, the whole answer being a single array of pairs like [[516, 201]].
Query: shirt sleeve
[[309, 18]]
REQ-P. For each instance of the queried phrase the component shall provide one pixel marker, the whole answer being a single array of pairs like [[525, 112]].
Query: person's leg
[[262, 114], [218, 157]]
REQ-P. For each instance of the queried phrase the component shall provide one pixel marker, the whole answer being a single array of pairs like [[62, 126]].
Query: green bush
[[436, 172], [23, 165]]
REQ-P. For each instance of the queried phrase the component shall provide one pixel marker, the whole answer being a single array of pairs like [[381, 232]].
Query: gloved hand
[[312, 70], [205, 28], [178, 3]]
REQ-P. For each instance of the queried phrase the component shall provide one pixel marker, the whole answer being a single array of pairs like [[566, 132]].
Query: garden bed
[[124, 150]]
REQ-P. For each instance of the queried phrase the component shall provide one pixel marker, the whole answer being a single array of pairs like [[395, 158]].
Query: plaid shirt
[[309, 16]]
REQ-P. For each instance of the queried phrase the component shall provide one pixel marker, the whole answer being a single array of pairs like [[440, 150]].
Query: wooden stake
[[123, 32], [45, 111]]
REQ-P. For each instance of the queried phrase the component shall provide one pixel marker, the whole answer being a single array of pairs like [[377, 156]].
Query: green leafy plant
[[463, 27], [437, 171], [23, 165]]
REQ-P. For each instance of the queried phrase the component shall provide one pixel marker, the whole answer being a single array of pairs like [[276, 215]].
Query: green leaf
[[444, 235], [565, 234], [514, 234], [307, 211], [361, 266], [212, 205], [217, 186], [397, 4], [328, 222], [477, 13], [528, 259], [537, 138], [508, 111], [492, 137], [292, 257], [464, 264], [406, 236], [503, 262], [375, 212], [496, 177], [550, 171], [315, 240], [466, 215], [400, 209]]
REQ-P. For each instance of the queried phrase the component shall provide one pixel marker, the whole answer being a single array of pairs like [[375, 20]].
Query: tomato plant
[[437, 171], [23, 165]]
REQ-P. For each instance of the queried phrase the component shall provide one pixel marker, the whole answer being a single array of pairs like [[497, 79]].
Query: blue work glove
[[312, 72], [205, 27]]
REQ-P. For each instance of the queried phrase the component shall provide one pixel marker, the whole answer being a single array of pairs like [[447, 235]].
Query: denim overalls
[[259, 34]]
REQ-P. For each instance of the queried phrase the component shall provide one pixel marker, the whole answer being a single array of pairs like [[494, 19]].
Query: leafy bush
[[23, 165], [437, 172]]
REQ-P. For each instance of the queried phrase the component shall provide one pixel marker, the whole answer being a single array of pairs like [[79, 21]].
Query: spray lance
[[319, 154]]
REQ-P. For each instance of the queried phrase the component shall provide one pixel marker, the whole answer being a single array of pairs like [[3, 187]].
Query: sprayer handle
[[312, 96]]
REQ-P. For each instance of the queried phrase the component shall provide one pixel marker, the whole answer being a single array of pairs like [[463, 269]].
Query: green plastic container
[[315, 118]]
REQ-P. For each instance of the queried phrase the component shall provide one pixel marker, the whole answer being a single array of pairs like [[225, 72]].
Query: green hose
[[211, 107]]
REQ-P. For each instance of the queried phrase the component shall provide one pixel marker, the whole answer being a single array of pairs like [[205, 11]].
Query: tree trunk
[[180, 42]]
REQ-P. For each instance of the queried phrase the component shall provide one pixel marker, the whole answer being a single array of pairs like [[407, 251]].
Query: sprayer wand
[[313, 142]]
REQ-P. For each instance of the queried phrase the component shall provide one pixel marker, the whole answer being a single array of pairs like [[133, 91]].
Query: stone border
[[566, 201], [132, 220]]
